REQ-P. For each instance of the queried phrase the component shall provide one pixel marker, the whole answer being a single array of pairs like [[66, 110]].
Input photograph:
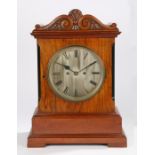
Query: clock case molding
[[75, 126], [75, 25]]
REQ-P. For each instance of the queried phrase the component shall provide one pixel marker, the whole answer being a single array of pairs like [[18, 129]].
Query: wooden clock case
[[94, 121]]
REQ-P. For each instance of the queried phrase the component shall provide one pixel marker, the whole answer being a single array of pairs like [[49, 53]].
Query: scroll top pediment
[[75, 20]]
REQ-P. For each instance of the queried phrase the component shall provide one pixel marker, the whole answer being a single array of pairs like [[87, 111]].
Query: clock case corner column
[[113, 72], [38, 72]]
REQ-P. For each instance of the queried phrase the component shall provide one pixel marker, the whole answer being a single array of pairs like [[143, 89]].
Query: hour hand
[[65, 66]]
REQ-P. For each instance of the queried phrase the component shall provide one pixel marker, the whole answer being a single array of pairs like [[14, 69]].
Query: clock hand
[[65, 66], [88, 66]]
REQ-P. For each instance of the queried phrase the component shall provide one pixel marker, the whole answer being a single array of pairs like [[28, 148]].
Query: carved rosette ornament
[[73, 22]]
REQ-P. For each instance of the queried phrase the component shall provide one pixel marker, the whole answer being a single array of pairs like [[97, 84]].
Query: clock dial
[[75, 73]]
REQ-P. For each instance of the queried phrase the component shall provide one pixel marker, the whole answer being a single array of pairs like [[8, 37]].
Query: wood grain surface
[[101, 102], [50, 128], [75, 25]]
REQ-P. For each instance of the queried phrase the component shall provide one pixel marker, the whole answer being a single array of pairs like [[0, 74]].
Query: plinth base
[[111, 140], [77, 129]]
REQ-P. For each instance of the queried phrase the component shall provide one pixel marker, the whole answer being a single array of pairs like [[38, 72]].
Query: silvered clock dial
[[75, 73]]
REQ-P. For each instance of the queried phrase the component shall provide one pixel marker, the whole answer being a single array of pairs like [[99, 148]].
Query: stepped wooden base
[[112, 140], [77, 129]]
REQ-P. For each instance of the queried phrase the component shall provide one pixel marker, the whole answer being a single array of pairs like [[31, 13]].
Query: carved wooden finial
[[75, 21], [75, 15]]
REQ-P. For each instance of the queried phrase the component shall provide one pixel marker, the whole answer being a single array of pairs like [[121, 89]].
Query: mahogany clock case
[[101, 102], [94, 121]]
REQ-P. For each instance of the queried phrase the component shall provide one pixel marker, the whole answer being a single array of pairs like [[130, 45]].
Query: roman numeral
[[86, 91], [93, 83], [56, 73], [65, 55], [85, 56], [66, 90], [95, 72], [76, 93], [58, 83], [76, 53]]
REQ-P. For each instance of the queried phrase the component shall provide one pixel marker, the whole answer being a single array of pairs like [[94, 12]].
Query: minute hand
[[88, 66]]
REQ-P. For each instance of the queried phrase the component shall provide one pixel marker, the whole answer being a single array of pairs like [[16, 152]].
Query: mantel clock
[[76, 100]]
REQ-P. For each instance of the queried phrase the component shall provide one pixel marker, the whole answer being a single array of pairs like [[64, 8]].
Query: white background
[[123, 12]]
